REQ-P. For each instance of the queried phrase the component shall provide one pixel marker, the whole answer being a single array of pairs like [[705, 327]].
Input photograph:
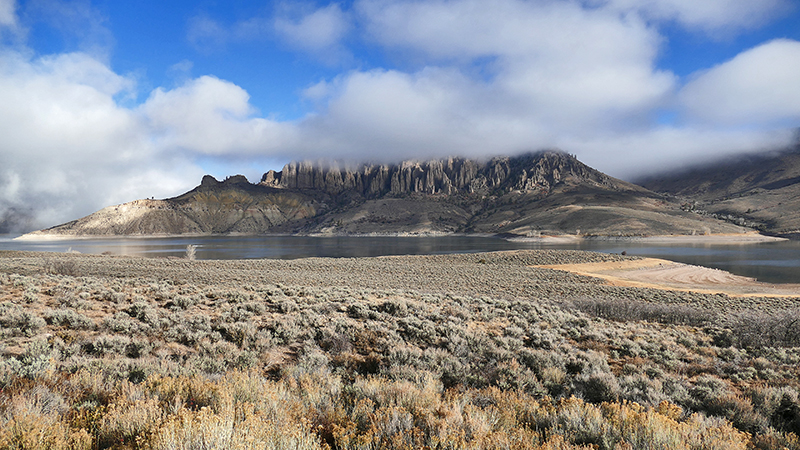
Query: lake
[[772, 262]]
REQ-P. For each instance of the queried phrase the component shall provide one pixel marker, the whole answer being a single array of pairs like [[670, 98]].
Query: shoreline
[[745, 238]]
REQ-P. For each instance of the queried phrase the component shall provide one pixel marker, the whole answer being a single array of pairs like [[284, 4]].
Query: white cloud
[[8, 15], [388, 115], [708, 15], [318, 30], [760, 86], [558, 75], [211, 116], [11, 30], [462, 30], [564, 66], [385, 114], [68, 148], [298, 25], [206, 34], [555, 70], [53, 100]]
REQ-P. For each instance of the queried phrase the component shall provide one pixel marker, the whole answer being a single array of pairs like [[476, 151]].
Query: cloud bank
[[470, 77], [67, 144], [760, 86]]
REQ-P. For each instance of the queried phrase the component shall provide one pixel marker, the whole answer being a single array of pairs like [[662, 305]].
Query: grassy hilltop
[[456, 351]]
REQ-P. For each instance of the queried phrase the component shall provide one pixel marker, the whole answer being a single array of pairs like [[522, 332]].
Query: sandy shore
[[743, 238], [669, 275], [747, 238]]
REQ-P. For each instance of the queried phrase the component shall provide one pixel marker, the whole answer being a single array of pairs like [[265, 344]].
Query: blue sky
[[107, 101]]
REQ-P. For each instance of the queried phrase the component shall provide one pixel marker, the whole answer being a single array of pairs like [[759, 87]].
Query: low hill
[[761, 190], [547, 193]]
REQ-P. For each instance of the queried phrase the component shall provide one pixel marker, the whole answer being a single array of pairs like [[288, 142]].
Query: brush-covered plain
[[452, 351]]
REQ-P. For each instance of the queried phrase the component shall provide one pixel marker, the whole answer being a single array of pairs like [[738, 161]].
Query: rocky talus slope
[[532, 194]]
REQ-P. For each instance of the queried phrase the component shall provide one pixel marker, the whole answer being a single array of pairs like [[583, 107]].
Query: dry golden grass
[[244, 410]]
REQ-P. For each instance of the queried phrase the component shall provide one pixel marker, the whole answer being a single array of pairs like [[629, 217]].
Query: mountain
[[547, 192], [761, 191]]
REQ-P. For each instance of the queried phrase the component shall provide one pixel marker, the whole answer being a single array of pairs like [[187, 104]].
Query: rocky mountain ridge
[[448, 176], [542, 193]]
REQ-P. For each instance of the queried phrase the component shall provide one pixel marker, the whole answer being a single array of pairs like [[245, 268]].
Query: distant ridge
[[542, 193], [758, 190]]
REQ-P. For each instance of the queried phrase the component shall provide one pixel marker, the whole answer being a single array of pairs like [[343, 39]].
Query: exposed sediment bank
[[724, 239], [662, 274]]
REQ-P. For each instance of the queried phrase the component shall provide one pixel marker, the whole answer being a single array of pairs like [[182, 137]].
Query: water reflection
[[774, 262]]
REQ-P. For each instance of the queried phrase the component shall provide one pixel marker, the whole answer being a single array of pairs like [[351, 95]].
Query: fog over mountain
[[542, 193]]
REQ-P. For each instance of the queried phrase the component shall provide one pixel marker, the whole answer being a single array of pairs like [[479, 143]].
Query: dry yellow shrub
[[189, 392], [124, 422], [712, 433], [204, 429], [558, 443], [670, 410], [35, 432], [244, 410]]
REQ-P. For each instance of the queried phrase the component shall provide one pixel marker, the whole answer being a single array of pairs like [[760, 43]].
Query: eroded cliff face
[[530, 172]]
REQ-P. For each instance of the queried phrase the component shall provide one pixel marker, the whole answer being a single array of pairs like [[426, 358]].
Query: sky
[[108, 101]]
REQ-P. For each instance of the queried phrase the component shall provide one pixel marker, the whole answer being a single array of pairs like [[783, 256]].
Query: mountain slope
[[231, 206], [538, 193], [761, 190]]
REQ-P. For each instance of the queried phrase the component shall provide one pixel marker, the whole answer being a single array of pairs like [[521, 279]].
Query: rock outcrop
[[450, 176], [538, 193]]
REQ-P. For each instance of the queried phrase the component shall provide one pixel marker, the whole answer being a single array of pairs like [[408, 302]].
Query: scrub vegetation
[[457, 351]]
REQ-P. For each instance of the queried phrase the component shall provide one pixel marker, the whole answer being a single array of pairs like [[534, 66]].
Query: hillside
[[759, 190], [547, 193]]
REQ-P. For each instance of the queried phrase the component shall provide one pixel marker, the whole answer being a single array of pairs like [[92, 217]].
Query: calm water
[[777, 262]]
